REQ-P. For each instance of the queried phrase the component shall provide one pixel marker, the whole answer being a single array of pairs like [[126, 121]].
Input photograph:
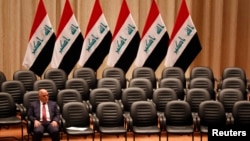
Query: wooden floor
[[16, 131]]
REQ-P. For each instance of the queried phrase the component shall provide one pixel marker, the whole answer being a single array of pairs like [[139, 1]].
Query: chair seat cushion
[[180, 129], [10, 120], [146, 129], [87, 131], [112, 130]]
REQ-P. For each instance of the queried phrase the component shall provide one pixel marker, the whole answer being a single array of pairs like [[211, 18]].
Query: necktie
[[44, 113]]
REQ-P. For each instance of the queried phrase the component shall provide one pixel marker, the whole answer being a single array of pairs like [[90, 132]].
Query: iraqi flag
[[97, 39], [125, 42], [41, 42], [69, 41], [154, 42], [184, 42]]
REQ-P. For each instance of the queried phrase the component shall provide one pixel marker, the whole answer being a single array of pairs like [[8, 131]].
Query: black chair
[[211, 114], [228, 97], [161, 97], [115, 72], [80, 85], [47, 84], [59, 76], [27, 77], [8, 113], [194, 97], [88, 74], [143, 119], [175, 84], [109, 119], [178, 119], [241, 114], [130, 95], [2, 78], [145, 72], [16, 89], [113, 84], [76, 120], [174, 72], [67, 95], [144, 84]]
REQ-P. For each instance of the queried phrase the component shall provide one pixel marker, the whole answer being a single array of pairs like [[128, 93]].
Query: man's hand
[[54, 124], [37, 123]]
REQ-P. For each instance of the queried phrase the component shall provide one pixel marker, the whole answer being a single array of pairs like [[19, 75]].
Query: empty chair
[[176, 72], [59, 76], [211, 113], [2, 78], [115, 72], [143, 119], [130, 95], [241, 114], [8, 113], [16, 89], [144, 84], [175, 84], [228, 97], [204, 83], [194, 97], [113, 84], [80, 85], [88, 74], [203, 72], [27, 77], [178, 118], [97, 96], [67, 95], [76, 120], [109, 119], [145, 72], [161, 97], [47, 84]]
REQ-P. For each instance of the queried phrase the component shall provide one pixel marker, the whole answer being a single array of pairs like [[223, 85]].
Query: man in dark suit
[[45, 116]]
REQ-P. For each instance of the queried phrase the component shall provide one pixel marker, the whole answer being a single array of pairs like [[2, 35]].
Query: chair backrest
[[195, 96], [204, 83], [67, 95], [80, 85], [143, 113], [110, 114], [143, 83], [29, 97], [145, 72], [235, 83], [202, 71], [2, 78], [212, 113], [178, 113], [241, 113], [7, 108], [130, 95], [176, 72], [49, 85], [59, 76], [234, 72], [15, 88], [75, 114], [88, 74], [115, 72], [99, 95], [228, 97], [162, 96], [175, 84], [27, 77], [111, 83]]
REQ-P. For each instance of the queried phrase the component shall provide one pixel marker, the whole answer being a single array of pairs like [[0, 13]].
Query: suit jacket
[[34, 111]]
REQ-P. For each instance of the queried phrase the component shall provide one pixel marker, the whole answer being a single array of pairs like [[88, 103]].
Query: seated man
[[45, 116]]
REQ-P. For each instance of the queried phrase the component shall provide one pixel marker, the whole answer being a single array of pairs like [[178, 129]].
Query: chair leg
[[125, 135], [100, 136], [167, 136], [192, 136], [93, 136], [200, 136], [160, 136], [134, 137]]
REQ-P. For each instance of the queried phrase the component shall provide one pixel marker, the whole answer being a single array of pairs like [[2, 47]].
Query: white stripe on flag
[[150, 40], [38, 41], [180, 42], [121, 41], [65, 41], [93, 39]]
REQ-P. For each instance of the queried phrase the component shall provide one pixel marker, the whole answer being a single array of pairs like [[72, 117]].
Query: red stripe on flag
[[40, 14], [67, 14], [153, 14], [181, 18], [124, 13], [96, 13]]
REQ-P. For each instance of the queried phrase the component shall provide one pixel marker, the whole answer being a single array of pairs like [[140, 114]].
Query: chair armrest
[[163, 121], [95, 123], [90, 107], [128, 122]]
